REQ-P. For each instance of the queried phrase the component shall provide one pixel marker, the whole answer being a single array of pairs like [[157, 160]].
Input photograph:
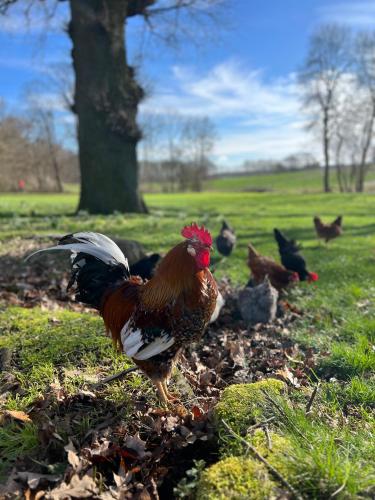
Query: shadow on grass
[[35, 215]]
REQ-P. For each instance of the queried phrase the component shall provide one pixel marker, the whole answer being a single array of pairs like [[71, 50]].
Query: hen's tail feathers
[[252, 252], [280, 238], [317, 222], [338, 221], [97, 265], [226, 226]]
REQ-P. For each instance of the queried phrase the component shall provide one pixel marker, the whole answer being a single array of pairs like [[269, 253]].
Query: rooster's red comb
[[194, 232], [313, 277]]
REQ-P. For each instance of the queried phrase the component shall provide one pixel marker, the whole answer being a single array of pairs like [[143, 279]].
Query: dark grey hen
[[258, 304], [226, 240]]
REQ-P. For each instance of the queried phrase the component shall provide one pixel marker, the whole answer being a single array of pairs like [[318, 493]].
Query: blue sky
[[241, 73]]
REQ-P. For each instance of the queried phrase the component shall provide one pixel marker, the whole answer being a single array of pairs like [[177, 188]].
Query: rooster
[[291, 258], [226, 240], [149, 321], [328, 231], [261, 267]]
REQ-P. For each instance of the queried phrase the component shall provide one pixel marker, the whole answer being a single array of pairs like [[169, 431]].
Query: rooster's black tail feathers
[[97, 265]]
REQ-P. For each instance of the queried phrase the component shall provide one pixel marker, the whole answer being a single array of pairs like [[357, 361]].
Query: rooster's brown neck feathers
[[176, 275]]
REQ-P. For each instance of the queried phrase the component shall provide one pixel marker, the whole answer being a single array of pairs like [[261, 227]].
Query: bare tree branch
[[328, 60]]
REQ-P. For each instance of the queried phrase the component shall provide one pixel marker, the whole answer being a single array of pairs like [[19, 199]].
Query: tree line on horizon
[[175, 152], [31, 158]]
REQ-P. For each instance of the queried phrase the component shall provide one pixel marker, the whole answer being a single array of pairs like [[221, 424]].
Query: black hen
[[291, 258], [226, 240], [145, 267]]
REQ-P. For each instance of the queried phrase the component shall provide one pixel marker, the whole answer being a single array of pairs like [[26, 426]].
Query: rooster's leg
[[162, 395], [169, 396]]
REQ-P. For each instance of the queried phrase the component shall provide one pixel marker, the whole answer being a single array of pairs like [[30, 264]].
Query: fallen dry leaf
[[286, 375], [136, 444], [84, 487], [18, 415], [34, 480]]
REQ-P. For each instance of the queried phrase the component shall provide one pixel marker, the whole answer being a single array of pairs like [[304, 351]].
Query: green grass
[[338, 318], [334, 311], [16, 441], [327, 455], [72, 347], [306, 181], [320, 453]]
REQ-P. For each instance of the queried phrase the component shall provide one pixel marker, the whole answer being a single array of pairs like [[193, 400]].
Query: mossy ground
[[236, 478], [338, 322], [322, 453], [240, 407]]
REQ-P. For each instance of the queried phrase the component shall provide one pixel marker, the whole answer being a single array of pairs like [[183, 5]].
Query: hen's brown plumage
[[261, 267], [328, 232]]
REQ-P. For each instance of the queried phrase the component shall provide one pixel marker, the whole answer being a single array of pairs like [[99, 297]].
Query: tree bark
[[361, 172], [353, 173], [326, 180], [106, 102], [338, 164]]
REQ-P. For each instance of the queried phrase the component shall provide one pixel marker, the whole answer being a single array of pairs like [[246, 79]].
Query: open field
[[306, 181], [66, 350]]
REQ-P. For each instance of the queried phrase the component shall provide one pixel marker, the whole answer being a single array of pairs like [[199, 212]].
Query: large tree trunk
[[326, 180], [106, 102]]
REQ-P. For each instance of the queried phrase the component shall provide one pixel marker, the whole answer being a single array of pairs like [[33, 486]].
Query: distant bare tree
[[175, 149], [15, 151], [61, 82], [44, 120], [329, 58], [365, 71], [199, 135], [29, 152], [343, 138]]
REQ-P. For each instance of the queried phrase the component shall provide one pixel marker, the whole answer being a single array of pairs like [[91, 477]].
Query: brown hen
[[328, 232], [261, 267]]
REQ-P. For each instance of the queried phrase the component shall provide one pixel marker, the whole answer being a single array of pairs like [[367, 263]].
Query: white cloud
[[227, 90], [269, 143], [255, 118], [359, 13]]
